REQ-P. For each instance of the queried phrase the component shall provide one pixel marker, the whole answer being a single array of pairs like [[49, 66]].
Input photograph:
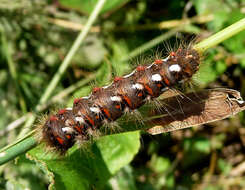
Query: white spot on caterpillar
[[79, 119], [116, 98], [156, 77], [240, 101], [174, 68], [126, 76], [138, 86], [94, 109], [68, 109], [67, 130]]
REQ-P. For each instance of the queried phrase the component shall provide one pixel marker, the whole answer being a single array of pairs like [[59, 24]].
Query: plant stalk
[[220, 36]]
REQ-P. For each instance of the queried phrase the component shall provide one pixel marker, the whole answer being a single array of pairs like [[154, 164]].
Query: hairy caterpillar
[[125, 94]]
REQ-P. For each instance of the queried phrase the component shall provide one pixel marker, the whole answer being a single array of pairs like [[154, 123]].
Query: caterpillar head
[[183, 63], [57, 135]]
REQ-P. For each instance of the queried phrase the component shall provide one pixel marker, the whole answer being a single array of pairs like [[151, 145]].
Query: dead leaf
[[193, 109]]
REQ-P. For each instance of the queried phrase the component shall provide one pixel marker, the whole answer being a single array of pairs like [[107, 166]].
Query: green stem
[[221, 36], [12, 151], [79, 40], [23, 145]]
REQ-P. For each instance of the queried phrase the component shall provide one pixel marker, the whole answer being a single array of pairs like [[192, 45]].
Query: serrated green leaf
[[91, 168]]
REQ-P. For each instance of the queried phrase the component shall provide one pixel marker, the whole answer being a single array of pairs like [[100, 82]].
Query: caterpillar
[[125, 94]]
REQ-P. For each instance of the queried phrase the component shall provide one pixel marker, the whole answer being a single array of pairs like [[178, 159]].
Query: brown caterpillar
[[127, 93]]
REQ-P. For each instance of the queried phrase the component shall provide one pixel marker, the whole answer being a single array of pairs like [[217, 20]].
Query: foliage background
[[34, 42]]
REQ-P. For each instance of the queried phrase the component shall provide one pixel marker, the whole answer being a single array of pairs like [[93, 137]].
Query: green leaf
[[86, 6], [91, 168]]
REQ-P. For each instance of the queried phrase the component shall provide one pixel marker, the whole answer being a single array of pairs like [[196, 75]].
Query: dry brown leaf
[[196, 108]]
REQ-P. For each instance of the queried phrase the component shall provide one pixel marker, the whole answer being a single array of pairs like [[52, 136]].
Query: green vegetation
[[45, 62]]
